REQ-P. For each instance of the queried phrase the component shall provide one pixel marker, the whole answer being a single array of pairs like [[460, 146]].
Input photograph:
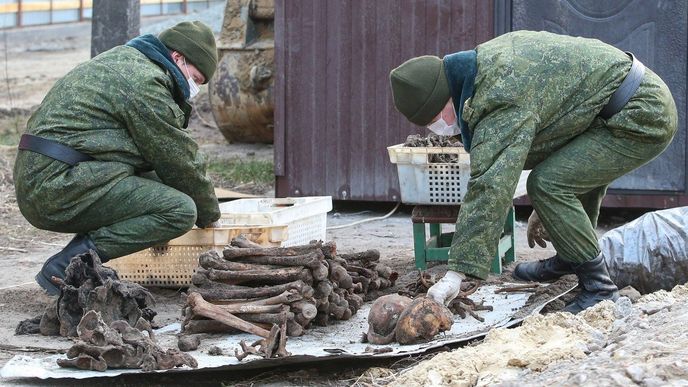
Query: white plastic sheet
[[649, 253]]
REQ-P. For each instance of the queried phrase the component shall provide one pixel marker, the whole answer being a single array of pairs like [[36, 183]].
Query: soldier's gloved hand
[[446, 289], [536, 231]]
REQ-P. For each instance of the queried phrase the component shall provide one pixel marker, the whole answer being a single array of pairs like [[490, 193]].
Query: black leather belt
[[52, 149], [626, 89]]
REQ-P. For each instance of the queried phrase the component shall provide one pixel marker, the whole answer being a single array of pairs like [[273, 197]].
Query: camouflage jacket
[[117, 108], [533, 93]]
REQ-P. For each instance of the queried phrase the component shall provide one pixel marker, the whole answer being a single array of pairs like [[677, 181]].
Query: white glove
[[446, 289], [536, 231]]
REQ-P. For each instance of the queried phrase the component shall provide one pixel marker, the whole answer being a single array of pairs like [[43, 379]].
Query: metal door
[[334, 115], [655, 31]]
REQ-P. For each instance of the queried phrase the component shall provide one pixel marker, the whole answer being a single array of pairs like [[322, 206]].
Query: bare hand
[[536, 231]]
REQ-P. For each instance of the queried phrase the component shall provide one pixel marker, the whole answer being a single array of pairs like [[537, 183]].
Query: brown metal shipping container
[[334, 116]]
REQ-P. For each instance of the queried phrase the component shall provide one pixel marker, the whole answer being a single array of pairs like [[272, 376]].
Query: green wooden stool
[[436, 248]]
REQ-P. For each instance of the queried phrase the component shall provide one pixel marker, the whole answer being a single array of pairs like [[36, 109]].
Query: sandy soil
[[609, 344], [34, 58]]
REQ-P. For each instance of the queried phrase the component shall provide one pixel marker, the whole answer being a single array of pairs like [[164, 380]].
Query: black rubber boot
[[544, 270], [595, 284], [55, 266]]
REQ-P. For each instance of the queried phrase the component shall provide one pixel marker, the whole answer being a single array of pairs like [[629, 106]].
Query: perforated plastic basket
[[173, 264], [424, 182], [305, 218]]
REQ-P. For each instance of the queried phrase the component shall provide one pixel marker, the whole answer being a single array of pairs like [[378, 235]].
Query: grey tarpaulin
[[321, 344], [649, 253]]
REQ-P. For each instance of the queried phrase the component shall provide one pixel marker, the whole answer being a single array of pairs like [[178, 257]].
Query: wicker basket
[[173, 264]]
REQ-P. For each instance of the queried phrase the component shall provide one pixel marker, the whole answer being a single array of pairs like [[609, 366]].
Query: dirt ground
[[34, 58]]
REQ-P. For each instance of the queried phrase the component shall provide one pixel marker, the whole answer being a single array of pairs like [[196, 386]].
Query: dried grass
[[16, 234], [7, 198]]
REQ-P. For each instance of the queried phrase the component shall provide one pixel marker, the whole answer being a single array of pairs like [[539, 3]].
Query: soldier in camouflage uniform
[[533, 100], [137, 178]]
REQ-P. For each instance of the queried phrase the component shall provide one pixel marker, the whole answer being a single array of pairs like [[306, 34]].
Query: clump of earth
[[90, 286]]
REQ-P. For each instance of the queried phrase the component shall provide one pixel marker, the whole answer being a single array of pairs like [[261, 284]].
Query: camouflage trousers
[[134, 214], [567, 188]]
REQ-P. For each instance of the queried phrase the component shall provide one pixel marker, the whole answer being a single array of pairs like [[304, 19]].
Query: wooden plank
[[225, 194], [521, 186]]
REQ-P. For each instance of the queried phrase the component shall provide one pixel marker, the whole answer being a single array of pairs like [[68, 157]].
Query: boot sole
[[46, 284], [573, 309], [513, 274], [574, 306], [516, 276]]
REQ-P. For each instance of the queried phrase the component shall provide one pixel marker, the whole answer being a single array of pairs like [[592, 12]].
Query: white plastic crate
[[171, 265], [425, 182], [305, 218]]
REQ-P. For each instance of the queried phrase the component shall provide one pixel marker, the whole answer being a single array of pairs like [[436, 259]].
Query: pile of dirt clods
[[111, 319]]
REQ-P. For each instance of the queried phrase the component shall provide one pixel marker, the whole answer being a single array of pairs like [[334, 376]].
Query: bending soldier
[[578, 112]]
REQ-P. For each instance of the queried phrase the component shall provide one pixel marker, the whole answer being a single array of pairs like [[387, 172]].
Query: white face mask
[[193, 87], [442, 128]]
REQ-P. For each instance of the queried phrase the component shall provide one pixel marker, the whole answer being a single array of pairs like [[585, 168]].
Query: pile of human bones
[[276, 292]]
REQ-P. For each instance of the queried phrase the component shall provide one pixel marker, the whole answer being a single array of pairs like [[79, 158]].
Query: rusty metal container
[[334, 114], [241, 92]]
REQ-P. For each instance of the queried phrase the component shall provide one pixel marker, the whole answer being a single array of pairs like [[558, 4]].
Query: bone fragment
[[212, 260], [312, 259], [320, 272], [203, 308], [242, 241], [282, 346], [250, 308], [362, 271], [232, 253], [229, 292], [305, 308], [270, 318], [322, 290], [275, 276], [365, 256], [340, 276]]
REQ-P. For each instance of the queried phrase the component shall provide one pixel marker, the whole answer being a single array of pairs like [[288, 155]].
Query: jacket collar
[[460, 69], [157, 52]]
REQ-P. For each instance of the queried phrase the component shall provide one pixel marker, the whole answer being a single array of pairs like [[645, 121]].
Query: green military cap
[[420, 89], [196, 42]]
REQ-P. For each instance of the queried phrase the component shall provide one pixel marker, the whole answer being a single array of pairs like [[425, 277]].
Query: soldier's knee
[[537, 185], [183, 214]]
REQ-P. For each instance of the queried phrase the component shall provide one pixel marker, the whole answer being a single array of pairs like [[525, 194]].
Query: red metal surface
[[334, 115]]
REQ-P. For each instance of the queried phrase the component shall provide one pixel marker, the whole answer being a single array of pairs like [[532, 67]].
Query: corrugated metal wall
[[334, 115]]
